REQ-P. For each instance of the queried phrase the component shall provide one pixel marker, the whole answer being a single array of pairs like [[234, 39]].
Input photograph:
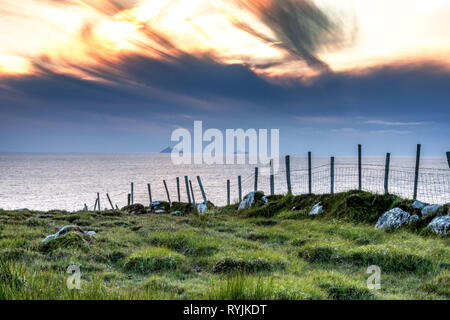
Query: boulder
[[67, 229], [419, 204], [432, 210], [393, 219], [253, 198], [160, 211], [176, 213], [440, 225], [316, 209]]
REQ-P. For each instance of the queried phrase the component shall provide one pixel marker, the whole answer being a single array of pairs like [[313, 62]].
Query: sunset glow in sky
[[87, 32], [120, 75]]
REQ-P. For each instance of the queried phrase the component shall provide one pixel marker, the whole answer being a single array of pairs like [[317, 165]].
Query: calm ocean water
[[68, 181]]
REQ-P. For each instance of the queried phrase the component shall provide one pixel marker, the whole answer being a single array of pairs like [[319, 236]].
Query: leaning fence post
[[448, 158], [309, 173], [201, 188], [256, 178], [178, 189], [359, 168], [332, 175], [117, 208], [98, 201], [110, 202], [149, 193], [288, 174], [95, 205], [129, 199], [386, 173], [192, 191], [132, 193], [228, 192], [187, 188], [416, 175], [167, 192], [272, 179], [240, 188]]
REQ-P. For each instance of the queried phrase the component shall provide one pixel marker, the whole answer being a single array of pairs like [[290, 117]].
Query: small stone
[[393, 219], [91, 233], [48, 238], [251, 199], [419, 204], [440, 225], [316, 209], [201, 207], [160, 211], [176, 213], [431, 210]]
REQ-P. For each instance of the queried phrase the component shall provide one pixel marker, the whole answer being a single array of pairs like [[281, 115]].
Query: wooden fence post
[[192, 191], [95, 205], [448, 158], [201, 189], [309, 173], [359, 168], [416, 175], [178, 189], [240, 188], [167, 192], [272, 179], [187, 188], [98, 201], [228, 192], [386, 173], [288, 174], [132, 193], [117, 208], [256, 178], [332, 175], [129, 199], [110, 202], [149, 193]]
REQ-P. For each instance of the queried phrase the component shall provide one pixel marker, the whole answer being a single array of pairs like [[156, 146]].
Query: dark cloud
[[299, 26]]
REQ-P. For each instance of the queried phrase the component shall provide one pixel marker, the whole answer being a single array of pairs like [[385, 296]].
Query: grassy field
[[268, 252]]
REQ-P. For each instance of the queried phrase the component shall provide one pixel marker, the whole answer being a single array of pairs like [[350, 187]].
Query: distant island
[[170, 150]]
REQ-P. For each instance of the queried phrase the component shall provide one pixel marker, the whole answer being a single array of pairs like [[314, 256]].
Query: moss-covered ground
[[268, 252]]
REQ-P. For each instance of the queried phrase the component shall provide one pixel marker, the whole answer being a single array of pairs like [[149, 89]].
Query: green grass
[[267, 252]]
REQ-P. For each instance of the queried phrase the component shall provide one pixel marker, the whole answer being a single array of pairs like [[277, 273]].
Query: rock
[[414, 217], [440, 225], [201, 207], [419, 204], [49, 237], [160, 211], [393, 219], [176, 213], [155, 204], [64, 230], [253, 198], [432, 210], [317, 209], [91, 233]]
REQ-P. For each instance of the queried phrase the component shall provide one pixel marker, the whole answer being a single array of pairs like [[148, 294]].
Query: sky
[[120, 76]]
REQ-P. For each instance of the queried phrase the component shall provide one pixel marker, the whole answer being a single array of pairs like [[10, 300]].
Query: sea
[[41, 181]]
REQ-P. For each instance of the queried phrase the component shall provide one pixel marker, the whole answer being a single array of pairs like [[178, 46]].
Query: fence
[[426, 184]]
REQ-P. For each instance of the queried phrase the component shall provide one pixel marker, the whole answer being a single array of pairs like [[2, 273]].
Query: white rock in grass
[[393, 219], [50, 237], [201, 207], [249, 200], [431, 210], [91, 233], [419, 204], [440, 225], [317, 209]]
